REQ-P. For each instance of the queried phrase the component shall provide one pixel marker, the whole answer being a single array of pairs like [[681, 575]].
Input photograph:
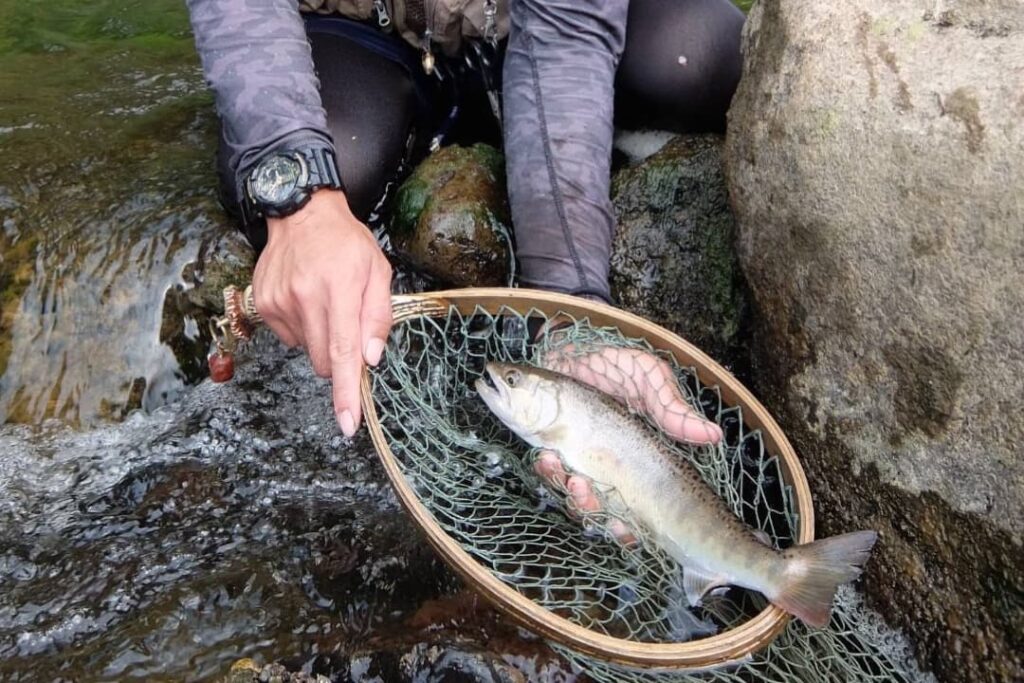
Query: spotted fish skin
[[601, 440]]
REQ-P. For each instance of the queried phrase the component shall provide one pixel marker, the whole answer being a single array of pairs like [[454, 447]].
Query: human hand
[[641, 380], [645, 383], [323, 283]]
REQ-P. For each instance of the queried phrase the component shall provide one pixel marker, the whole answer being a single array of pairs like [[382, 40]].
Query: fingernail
[[716, 433], [347, 424], [374, 349]]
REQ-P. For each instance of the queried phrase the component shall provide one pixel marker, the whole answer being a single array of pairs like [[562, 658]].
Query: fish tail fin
[[814, 571]]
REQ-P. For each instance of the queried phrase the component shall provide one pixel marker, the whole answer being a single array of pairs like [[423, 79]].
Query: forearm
[[559, 97], [257, 60]]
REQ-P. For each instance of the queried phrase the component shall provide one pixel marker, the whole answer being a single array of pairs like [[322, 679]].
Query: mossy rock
[[188, 308], [450, 219], [672, 259]]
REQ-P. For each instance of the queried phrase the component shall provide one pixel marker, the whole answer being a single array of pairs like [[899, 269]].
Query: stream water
[[238, 525]]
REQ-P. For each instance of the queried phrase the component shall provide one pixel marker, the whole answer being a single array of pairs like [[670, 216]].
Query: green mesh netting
[[477, 479]]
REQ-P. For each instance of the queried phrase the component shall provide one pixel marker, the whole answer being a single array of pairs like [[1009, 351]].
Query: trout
[[600, 439]]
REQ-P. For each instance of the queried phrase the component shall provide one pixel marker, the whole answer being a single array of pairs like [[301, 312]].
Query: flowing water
[[240, 525], [105, 195]]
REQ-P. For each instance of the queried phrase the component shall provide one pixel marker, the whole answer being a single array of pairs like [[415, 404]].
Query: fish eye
[[512, 378]]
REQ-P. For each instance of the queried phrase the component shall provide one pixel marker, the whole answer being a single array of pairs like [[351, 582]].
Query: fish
[[599, 438]]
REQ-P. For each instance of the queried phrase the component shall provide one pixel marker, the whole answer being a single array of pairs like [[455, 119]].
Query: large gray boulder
[[875, 158]]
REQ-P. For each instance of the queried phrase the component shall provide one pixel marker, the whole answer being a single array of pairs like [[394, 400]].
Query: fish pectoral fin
[[697, 582], [763, 537]]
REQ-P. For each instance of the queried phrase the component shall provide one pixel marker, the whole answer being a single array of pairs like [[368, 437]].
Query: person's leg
[[372, 106], [680, 66], [558, 95]]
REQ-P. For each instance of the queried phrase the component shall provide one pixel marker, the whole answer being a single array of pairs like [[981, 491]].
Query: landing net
[[477, 480]]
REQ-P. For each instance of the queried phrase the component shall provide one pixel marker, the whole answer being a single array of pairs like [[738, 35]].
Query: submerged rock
[[457, 637], [673, 260], [247, 671], [875, 155], [224, 259], [451, 219]]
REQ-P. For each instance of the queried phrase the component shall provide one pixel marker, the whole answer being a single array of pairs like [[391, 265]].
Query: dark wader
[[571, 67]]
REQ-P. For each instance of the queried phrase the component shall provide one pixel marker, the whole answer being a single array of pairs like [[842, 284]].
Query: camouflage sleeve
[[257, 60], [559, 78]]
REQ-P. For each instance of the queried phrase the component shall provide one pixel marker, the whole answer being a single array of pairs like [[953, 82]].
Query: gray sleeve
[[258, 62], [559, 78]]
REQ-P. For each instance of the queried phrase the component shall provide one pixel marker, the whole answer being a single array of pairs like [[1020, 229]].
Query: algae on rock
[[451, 220], [673, 259]]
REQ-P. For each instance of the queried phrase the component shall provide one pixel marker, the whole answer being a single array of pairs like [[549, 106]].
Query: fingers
[[273, 305], [603, 369], [581, 494], [549, 466], [664, 402], [687, 426], [346, 361], [582, 497], [317, 333], [622, 533], [375, 317], [643, 382]]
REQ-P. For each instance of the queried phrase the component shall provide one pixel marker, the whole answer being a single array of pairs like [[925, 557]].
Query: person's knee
[[370, 102], [681, 64]]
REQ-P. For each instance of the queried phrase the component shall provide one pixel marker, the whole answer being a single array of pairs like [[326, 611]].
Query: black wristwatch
[[283, 181]]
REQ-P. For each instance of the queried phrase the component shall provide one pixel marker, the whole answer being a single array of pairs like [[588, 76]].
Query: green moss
[[491, 159], [448, 220], [410, 201]]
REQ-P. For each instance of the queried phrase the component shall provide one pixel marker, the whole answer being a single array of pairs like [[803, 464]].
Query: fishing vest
[[427, 25]]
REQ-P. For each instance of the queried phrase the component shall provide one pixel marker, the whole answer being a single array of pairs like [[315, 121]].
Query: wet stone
[[673, 260], [450, 218]]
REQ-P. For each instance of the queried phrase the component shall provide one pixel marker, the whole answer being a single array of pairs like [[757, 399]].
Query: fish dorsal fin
[[697, 582], [762, 535]]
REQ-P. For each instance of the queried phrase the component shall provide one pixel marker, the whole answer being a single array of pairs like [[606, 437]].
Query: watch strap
[[323, 168]]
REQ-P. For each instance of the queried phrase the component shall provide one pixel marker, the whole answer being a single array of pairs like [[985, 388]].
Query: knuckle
[[341, 349], [304, 289], [276, 306]]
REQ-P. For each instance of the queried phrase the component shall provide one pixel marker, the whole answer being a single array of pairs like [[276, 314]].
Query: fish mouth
[[493, 391]]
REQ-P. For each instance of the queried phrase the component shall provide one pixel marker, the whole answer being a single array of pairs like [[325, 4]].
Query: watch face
[[276, 179]]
